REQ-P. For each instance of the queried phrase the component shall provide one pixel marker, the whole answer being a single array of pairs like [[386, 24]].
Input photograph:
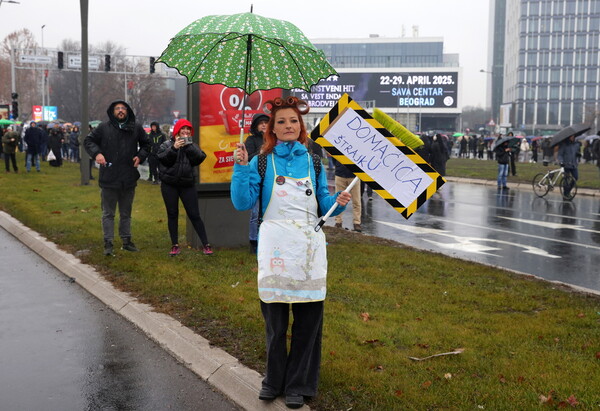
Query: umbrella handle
[[334, 206]]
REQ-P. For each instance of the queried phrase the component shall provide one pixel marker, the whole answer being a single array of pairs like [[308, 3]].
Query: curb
[[581, 191], [221, 370]]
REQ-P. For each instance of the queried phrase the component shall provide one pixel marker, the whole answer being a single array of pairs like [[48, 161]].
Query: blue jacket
[[291, 161], [567, 153]]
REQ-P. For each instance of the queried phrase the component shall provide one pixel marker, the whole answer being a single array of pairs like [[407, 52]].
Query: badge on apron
[[280, 180], [308, 192]]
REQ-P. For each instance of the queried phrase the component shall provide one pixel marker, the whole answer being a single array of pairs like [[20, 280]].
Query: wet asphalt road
[[547, 237], [62, 349]]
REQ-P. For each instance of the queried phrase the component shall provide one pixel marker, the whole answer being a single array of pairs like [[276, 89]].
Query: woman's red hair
[[271, 107]]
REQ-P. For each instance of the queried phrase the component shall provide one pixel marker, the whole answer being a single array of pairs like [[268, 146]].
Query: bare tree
[[147, 93], [27, 82]]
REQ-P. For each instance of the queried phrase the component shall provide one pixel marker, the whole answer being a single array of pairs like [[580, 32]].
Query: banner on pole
[[393, 170]]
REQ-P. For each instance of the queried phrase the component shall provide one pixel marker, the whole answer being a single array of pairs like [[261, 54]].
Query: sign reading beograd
[[373, 154]]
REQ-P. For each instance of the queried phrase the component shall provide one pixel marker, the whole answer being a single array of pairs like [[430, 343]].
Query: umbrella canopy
[[457, 135], [588, 138], [6, 122], [246, 51], [504, 140], [574, 130]]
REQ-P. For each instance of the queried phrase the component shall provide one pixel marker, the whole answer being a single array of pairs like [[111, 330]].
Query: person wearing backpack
[[253, 145], [292, 257]]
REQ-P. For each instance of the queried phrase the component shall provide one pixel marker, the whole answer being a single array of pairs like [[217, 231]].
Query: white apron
[[292, 258]]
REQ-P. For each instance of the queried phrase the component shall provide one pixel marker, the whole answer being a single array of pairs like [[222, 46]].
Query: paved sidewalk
[[221, 370]]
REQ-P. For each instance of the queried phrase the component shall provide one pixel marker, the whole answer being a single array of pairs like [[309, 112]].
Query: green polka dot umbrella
[[246, 51]]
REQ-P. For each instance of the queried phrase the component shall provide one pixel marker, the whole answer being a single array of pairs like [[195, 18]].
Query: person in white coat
[[292, 257]]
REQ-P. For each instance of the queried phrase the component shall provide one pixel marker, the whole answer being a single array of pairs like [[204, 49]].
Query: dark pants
[[153, 167], [573, 172], [189, 198], [11, 157], [110, 198], [513, 167], [296, 372]]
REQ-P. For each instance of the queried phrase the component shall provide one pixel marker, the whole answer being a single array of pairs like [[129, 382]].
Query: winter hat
[[180, 123]]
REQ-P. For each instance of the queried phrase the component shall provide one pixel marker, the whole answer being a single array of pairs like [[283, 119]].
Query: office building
[[411, 79], [551, 62]]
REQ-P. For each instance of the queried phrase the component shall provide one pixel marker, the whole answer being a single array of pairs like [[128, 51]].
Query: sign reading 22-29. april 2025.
[[374, 155]]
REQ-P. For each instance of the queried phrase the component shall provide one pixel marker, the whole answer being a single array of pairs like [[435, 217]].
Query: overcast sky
[[145, 27]]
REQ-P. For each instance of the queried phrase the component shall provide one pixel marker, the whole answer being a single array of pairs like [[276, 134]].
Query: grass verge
[[526, 343]]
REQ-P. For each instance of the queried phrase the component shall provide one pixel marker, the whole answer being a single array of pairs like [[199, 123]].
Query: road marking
[[546, 224], [593, 220], [468, 244], [521, 234]]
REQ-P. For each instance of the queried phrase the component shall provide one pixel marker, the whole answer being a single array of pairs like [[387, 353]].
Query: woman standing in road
[[502, 151], [292, 260], [178, 157]]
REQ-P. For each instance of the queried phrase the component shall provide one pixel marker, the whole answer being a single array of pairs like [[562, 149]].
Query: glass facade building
[[399, 55], [551, 62], [379, 52]]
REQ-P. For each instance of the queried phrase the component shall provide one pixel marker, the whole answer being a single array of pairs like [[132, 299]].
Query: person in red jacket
[[178, 157]]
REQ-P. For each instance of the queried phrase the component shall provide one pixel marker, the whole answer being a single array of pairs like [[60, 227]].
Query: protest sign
[[373, 154]]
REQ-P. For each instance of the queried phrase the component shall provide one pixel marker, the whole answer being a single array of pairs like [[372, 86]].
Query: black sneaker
[[267, 394], [108, 248], [294, 400], [129, 246]]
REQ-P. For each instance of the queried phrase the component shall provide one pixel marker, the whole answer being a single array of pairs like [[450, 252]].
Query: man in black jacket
[[118, 145], [33, 138], [156, 139]]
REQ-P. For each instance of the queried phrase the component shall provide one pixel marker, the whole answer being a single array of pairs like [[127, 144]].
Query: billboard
[[4, 111], [420, 90], [36, 113], [46, 113], [505, 115], [220, 112]]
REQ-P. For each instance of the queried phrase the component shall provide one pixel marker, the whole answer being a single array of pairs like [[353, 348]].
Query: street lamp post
[[43, 77], [84, 165]]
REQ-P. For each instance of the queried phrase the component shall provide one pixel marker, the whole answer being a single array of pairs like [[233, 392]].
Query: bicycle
[[544, 182]]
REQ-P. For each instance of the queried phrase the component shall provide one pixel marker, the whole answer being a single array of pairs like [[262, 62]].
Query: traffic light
[[15, 110], [152, 60], [60, 60], [107, 62]]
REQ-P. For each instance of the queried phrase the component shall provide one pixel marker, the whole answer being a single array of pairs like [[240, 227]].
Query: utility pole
[[84, 165], [13, 81], [43, 77]]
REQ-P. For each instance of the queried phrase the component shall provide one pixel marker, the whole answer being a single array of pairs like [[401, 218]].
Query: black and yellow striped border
[[346, 102]]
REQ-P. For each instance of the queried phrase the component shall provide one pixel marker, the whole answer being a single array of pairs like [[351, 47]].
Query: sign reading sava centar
[[431, 89]]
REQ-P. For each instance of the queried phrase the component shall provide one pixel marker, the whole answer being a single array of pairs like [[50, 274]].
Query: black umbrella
[[503, 140], [574, 130]]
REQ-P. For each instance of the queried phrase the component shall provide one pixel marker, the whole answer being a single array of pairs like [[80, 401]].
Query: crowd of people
[[278, 175]]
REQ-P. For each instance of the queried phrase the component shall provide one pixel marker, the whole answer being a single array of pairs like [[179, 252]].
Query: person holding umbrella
[[502, 151], [292, 261], [568, 149]]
